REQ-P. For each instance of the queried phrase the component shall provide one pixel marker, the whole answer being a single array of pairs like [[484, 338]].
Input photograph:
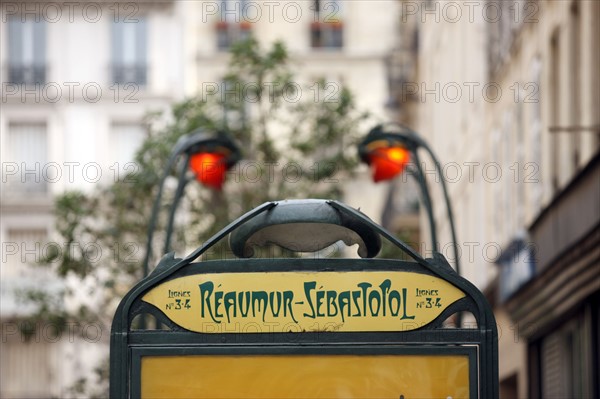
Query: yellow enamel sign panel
[[303, 301], [305, 376]]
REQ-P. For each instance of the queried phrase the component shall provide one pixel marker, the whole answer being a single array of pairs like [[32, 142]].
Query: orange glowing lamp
[[387, 151], [388, 162], [210, 156], [210, 168]]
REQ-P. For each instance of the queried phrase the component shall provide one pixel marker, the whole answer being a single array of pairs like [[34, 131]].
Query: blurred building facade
[[77, 82], [333, 40], [508, 96]]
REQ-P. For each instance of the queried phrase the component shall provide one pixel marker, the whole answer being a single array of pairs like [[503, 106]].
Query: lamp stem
[[448, 204], [155, 209], [181, 183], [438, 167], [153, 219], [426, 201]]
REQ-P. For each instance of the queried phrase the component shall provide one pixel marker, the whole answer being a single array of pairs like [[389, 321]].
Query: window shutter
[[117, 43], [39, 43], [15, 42], [141, 42], [552, 377]]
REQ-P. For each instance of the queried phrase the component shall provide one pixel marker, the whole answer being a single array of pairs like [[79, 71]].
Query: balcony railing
[[25, 184], [327, 34], [135, 74], [26, 74]]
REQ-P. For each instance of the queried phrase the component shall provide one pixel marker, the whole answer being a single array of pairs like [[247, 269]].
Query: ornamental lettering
[[364, 300]]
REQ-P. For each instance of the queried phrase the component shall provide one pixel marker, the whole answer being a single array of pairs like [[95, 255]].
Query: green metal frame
[[128, 344]]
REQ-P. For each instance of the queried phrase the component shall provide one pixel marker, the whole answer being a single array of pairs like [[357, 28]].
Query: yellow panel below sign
[[305, 376]]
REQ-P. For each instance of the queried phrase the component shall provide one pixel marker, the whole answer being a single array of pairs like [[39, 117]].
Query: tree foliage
[[297, 142]]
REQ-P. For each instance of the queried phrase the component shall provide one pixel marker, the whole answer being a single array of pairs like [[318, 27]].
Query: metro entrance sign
[[303, 301], [303, 327]]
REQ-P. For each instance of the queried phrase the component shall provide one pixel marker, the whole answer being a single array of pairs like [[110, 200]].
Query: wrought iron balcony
[[135, 74], [26, 74]]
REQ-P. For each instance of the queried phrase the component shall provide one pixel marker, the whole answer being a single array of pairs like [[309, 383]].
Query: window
[[536, 133], [129, 52], [235, 11], [518, 162], [575, 85], [31, 369], [21, 271], [508, 209], [26, 51], [236, 103], [126, 139], [326, 30], [25, 250], [27, 169], [233, 25], [498, 189], [555, 105], [593, 84]]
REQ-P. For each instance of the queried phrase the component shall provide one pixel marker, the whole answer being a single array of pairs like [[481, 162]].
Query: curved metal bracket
[[304, 226]]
